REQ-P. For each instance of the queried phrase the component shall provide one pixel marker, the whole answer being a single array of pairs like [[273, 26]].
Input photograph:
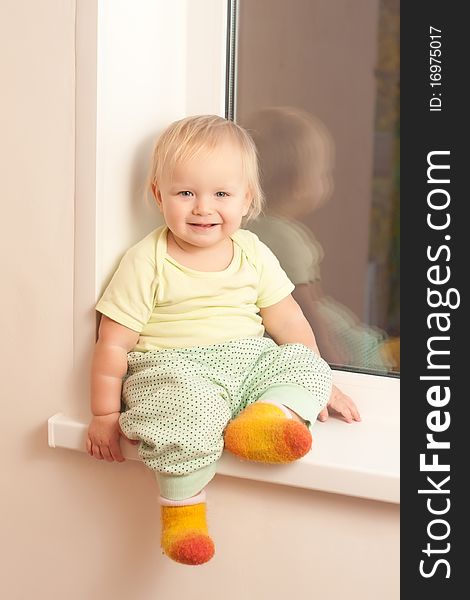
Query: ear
[[247, 202], [158, 196]]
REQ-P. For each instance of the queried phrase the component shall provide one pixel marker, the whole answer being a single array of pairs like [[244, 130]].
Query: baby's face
[[207, 197], [314, 186], [315, 189]]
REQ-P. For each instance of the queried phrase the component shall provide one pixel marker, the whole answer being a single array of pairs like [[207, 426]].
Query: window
[[317, 85]]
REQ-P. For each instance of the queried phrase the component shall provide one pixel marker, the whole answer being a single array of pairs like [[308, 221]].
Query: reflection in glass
[[296, 154], [321, 103]]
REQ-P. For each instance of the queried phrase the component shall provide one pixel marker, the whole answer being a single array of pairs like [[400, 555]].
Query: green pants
[[179, 401]]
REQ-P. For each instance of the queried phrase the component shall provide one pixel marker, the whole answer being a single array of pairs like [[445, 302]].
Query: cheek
[[233, 213], [172, 211]]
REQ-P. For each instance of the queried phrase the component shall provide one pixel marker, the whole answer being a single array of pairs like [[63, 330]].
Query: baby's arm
[[108, 368], [286, 323]]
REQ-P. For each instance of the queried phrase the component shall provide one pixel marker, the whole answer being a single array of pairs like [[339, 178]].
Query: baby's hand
[[103, 438], [342, 404]]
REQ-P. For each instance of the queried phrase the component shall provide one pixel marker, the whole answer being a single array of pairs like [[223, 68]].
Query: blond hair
[[184, 139]]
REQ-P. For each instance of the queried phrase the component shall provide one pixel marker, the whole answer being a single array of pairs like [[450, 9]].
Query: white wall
[[79, 529]]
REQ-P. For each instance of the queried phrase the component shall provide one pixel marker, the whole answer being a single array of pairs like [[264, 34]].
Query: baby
[[181, 339]]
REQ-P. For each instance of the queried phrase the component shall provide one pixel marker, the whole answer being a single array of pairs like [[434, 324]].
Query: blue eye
[[185, 193], [221, 194]]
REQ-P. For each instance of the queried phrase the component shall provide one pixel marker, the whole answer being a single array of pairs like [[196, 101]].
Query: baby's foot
[[185, 537], [263, 433]]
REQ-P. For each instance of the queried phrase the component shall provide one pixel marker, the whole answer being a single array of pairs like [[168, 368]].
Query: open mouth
[[203, 225]]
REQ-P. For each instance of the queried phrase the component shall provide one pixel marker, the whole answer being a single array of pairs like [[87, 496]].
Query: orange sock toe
[[185, 537], [263, 433]]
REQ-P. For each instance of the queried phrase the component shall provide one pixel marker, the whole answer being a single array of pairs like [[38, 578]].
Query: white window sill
[[358, 459]]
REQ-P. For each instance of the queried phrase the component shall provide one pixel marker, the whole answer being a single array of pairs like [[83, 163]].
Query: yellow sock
[[263, 433], [185, 537]]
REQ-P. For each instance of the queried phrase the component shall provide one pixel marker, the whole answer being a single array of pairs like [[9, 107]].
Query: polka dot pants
[[179, 401]]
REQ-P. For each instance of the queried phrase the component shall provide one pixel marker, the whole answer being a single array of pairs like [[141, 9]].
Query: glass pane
[[318, 87]]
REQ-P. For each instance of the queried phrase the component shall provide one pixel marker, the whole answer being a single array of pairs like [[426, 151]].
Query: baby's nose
[[202, 206]]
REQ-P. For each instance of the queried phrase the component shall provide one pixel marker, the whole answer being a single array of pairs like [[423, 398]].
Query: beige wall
[[78, 529]]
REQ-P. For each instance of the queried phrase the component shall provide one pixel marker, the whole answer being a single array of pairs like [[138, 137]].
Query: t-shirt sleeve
[[129, 297], [298, 252], [274, 285]]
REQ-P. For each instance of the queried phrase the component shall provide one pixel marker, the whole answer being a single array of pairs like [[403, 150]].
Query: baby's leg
[[179, 415], [268, 432], [287, 389], [185, 536], [179, 421]]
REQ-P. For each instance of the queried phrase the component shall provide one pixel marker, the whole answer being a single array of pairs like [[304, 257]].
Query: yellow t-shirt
[[173, 306]]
